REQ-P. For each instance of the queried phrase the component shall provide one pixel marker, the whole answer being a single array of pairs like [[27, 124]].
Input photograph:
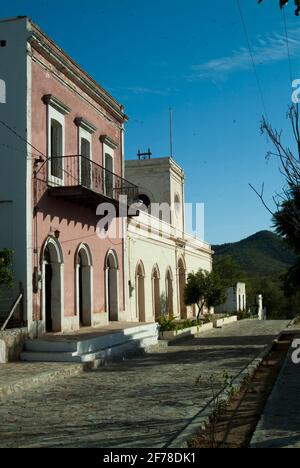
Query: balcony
[[80, 180]]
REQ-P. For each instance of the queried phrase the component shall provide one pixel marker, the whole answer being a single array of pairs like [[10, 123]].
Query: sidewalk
[[151, 401], [279, 426], [16, 377]]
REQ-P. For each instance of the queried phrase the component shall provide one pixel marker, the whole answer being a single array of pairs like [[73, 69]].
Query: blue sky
[[176, 53]]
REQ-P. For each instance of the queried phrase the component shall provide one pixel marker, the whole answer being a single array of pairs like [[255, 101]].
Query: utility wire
[[252, 59], [287, 45], [20, 137]]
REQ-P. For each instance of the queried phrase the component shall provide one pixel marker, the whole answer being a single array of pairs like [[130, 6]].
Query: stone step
[[91, 347]]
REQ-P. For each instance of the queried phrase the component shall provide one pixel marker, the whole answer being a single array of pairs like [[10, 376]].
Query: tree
[[204, 289], [286, 216], [6, 275], [228, 271], [283, 3]]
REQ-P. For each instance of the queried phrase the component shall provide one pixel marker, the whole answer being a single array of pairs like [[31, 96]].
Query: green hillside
[[260, 255]]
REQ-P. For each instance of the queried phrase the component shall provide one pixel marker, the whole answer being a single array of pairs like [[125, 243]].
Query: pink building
[[61, 149]]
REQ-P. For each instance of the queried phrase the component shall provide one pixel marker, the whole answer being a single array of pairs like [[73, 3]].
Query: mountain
[[260, 255]]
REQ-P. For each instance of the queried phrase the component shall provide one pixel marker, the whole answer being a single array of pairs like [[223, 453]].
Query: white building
[[236, 299], [160, 254]]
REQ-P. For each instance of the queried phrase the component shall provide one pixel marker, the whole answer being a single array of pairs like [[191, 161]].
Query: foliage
[[167, 323], [228, 270], [6, 275], [220, 396], [172, 324], [287, 219], [287, 215], [278, 304], [204, 289], [261, 255]]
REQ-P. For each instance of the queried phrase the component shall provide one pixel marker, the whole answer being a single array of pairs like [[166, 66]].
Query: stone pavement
[[279, 426], [16, 377], [143, 402]]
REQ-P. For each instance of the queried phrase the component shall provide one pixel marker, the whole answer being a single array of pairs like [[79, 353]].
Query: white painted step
[[87, 349]]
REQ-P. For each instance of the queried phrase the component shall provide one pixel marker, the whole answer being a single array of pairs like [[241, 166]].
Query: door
[[85, 163], [109, 177], [48, 297]]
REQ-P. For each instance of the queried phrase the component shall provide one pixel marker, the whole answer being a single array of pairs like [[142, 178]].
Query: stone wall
[[11, 344]]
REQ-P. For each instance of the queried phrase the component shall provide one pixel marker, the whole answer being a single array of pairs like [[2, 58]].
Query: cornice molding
[[106, 140], [52, 101], [85, 124], [66, 65]]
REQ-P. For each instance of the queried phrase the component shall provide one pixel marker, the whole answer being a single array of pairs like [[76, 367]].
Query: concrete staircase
[[8, 297], [98, 346]]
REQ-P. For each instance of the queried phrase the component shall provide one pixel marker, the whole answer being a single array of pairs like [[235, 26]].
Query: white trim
[[58, 322], [85, 124], [53, 114], [28, 309], [52, 101], [84, 134], [107, 150], [106, 140]]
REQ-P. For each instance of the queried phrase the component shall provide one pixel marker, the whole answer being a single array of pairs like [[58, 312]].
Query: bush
[[172, 324], [6, 275]]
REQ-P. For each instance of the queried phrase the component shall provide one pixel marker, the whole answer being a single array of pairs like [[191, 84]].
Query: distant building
[[236, 299]]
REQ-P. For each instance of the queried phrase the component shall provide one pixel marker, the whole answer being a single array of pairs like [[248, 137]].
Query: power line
[[287, 45], [20, 137], [252, 59]]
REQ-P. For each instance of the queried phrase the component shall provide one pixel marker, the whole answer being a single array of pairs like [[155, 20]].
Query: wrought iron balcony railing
[[81, 172]]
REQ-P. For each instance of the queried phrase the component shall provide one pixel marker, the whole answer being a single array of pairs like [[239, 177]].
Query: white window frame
[[53, 114], [84, 134], [111, 152]]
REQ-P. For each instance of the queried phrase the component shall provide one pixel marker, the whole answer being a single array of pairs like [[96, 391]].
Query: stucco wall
[[165, 252], [76, 223], [15, 153]]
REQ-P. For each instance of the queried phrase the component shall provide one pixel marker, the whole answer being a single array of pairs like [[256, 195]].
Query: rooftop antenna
[[143, 156], [171, 132]]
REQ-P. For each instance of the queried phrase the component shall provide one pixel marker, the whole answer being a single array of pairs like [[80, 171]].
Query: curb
[[201, 420], [29, 383]]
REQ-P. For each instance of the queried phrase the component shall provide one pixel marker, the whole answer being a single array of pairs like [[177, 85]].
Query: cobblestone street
[[144, 402]]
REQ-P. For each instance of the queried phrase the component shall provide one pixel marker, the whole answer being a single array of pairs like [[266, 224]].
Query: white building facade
[[159, 253], [236, 299]]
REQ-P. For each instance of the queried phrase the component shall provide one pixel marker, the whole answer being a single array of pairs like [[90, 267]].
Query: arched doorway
[[182, 283], [140, 292], [84, 289], [169, 292], [52, 290], [155, 278], [112, 288]]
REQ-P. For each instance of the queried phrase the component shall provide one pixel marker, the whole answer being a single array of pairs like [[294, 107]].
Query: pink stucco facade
[[70, 223]]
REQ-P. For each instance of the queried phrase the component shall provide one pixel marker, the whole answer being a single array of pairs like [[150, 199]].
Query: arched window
[[156, 300], [52, 287], [140, 292], [84, 278], [112, 288], [177, 205], [182, 283], [169, 292], [145, 200]]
